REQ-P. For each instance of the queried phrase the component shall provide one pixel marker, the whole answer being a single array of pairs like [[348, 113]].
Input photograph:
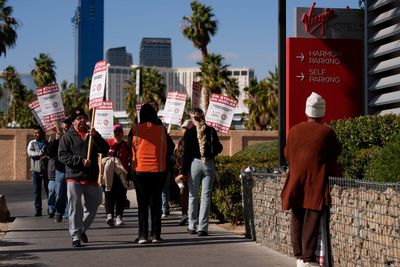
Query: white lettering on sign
[[317, 72], [324, 53], [326, 61], [323, 79]]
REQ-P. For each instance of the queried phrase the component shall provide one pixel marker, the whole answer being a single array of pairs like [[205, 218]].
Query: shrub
[[385, 167], [226, 203], [363, 133]]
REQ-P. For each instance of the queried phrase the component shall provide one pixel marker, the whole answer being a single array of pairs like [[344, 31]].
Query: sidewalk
[[39, 241]]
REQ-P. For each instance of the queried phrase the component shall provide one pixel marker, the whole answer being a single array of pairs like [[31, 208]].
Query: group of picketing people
[[312, 150], [69, 173]]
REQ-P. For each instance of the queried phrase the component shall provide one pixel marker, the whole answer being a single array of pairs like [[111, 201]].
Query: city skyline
[[247, 34]]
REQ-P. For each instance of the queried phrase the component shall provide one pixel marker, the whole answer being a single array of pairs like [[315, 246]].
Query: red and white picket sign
[[174, 107], [51, 106], [104, 120], [220, 112], [97, 87], [34, 107]]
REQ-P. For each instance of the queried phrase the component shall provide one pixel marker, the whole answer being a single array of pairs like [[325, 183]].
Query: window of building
[[243, 72], [111, 70], [118, 71], [236, 73]]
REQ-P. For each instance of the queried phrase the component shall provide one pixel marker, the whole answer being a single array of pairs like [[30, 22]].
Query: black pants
[[115, 198], [148, 187]]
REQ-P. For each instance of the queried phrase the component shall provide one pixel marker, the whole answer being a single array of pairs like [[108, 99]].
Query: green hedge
[[226, 203], [385, 167], [362, 138]]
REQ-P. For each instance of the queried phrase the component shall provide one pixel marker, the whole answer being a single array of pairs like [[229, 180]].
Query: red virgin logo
[[312, 21]]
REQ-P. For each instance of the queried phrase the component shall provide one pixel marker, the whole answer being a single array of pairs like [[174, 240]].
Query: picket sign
[[96, 97], [220, 112]]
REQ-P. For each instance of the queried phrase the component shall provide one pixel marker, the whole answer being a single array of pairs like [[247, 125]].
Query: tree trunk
[[4, 212]]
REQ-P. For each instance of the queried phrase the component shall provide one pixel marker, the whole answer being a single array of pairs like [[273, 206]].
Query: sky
[[247, 33]]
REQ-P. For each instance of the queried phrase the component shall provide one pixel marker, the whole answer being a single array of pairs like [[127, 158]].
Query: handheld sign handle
[[90, 136]]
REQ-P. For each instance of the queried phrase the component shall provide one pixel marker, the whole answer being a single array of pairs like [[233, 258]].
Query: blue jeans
[[204, 173], [51, 201], [37, 180], [61, 193], [165, 195]]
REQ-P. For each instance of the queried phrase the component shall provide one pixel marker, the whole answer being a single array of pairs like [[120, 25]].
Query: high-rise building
[[118, 57], [89, 37], [156, 52]]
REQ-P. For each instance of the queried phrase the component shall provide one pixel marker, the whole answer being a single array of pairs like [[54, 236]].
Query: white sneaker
[[310, 264], [110, 220], [119, 221], [183, 220]]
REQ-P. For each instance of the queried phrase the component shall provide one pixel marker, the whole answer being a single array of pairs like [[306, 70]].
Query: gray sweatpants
[[81, 217]]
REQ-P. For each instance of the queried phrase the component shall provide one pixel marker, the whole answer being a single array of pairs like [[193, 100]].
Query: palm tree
[[8, 25], [72, 97], [153, 91], [43, 73], [214, 75], [198, 28], [20, 96], [12, 84], [262, 102]]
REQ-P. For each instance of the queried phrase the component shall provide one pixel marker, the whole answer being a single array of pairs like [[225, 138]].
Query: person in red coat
[[312, 149]]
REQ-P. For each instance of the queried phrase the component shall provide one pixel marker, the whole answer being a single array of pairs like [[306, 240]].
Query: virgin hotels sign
[[343, 23]]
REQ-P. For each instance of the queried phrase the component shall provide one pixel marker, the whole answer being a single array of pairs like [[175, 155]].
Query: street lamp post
[[282, 79]]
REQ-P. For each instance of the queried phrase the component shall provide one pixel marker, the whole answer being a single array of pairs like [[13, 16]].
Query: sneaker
[[76, 243], [110, 220], [143, 240], [84, 238], [164, 215], [157, 240], [310, 264], [203, 233], [119, 221], [183, 220], [192, 232], [38, 213], [58, 218], [51, 215]]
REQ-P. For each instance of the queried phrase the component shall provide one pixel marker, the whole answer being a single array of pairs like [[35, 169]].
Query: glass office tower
[[156, 52], [118, 57], [89, 37]]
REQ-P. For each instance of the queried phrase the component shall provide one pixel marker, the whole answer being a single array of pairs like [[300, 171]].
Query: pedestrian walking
[[201, 146], [312, 150], [56, 169], [151, 147], [182, 180], [115, 177], [36, 151], [81, 174]]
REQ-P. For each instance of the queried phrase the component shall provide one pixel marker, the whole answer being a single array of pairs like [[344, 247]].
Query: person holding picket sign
[[81, 173]]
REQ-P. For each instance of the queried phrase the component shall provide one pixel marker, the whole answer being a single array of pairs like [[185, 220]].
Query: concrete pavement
[[39, 241]]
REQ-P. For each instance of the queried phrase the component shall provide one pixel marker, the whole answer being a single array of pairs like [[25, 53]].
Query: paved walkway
[[39, 241]]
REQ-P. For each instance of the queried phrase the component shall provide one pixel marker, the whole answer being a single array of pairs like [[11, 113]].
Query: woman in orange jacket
[[151, 147]]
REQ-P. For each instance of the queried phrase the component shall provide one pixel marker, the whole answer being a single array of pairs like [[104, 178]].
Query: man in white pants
[[81, 174]]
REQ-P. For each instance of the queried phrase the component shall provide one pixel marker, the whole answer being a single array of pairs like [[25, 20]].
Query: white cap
[[315, 106]]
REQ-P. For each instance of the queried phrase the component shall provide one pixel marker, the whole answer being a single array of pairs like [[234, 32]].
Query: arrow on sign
[[301, 57], [300, 76]]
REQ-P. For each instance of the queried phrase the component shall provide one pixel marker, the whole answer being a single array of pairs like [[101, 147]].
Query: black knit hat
[[77, 112]]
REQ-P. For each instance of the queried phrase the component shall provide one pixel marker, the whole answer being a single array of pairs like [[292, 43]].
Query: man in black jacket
[[81, 174]]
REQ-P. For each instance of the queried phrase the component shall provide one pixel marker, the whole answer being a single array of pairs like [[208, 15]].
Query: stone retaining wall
[[364, 225]]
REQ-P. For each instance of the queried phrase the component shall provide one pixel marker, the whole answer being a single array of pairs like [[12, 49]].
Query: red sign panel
[[330, 67]]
